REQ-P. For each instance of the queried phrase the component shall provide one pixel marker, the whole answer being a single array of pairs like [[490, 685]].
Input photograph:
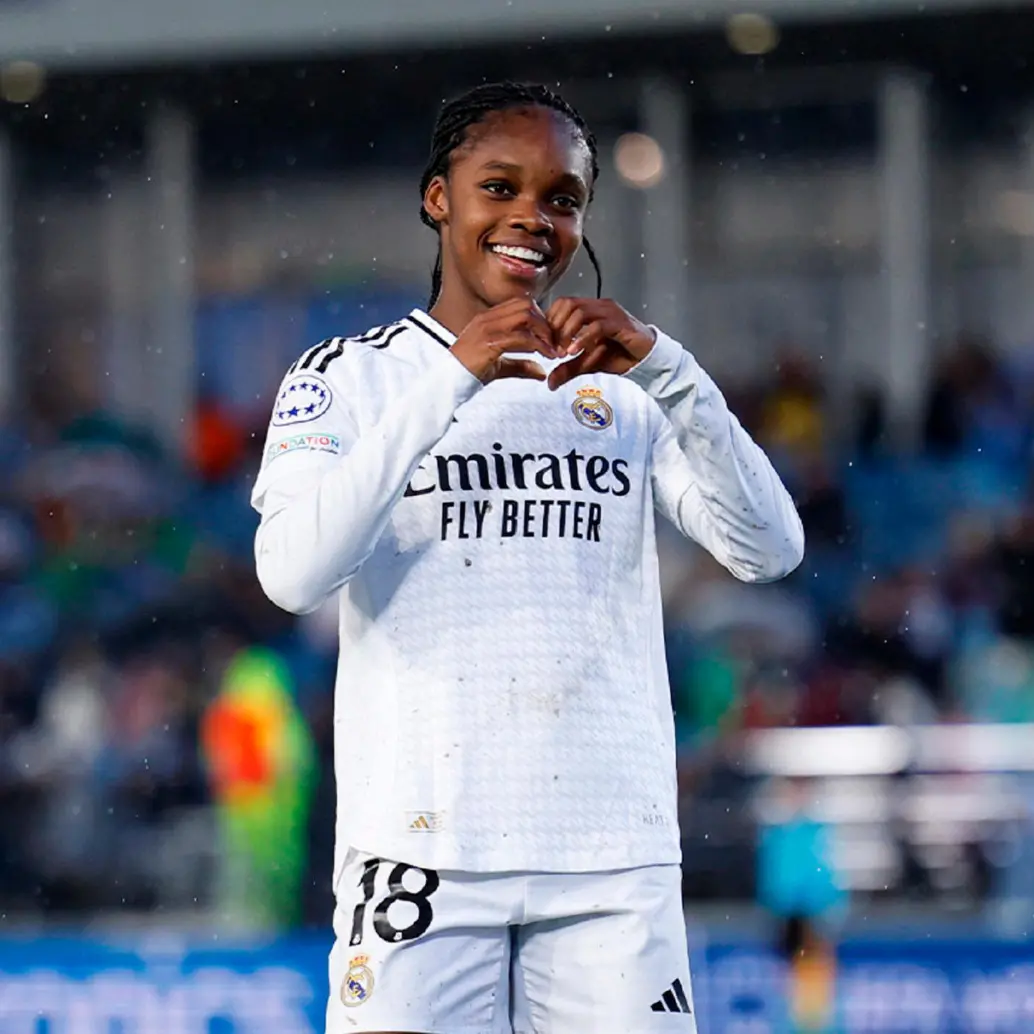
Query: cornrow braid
[[470, 109]]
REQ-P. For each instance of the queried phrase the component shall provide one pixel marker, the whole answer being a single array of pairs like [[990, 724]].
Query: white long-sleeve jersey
[[502, 702]]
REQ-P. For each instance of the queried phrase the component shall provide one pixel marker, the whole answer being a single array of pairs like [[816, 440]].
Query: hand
[[601, 336], [514, 326]]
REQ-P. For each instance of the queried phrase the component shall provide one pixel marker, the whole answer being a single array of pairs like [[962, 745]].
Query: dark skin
[[523, 180]]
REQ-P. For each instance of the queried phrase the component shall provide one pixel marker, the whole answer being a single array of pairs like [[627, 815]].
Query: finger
[[535, 321], [521, 316], [587, 338], [524, 369], [587, 362], [559, 313], [505, 311], [559, 310], [522, 339], [568, 333]]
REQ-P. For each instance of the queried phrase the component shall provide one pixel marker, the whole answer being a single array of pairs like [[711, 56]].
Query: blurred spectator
[[798, 886], [793, 426], [218, 444], [973, 407], [870, 427], [1016, 571], [876, 635], [259, 755], [822, 504]]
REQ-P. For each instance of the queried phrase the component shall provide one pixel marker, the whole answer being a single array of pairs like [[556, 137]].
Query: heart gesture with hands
[[591, 335], [600, 336], [518, 325]]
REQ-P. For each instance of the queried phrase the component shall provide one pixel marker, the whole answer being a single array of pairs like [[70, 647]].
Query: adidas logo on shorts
[[673, 1000]]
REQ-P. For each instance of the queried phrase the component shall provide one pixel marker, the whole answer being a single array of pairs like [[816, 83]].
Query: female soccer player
[[508, 846]]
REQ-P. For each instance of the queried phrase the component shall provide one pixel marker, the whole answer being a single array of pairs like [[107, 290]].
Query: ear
[[436, 201]]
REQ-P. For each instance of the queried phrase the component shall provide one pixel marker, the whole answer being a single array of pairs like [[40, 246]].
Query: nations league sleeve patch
[[303, 397]]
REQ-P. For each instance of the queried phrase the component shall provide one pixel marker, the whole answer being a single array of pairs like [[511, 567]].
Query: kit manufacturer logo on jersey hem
[[424, 821], [592, 410]]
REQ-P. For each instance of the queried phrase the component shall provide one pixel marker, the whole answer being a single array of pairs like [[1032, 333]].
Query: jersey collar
[[431, 328]]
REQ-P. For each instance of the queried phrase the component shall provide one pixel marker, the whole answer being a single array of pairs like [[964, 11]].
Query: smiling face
[[510, 212]]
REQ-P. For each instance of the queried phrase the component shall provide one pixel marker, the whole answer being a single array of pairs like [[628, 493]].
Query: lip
[[545, 252], [515, 267], [518, 269]]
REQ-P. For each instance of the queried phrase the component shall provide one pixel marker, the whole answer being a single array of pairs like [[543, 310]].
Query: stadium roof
[[85, 34]]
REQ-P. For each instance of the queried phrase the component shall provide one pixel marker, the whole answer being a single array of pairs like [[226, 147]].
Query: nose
[[530, 216]]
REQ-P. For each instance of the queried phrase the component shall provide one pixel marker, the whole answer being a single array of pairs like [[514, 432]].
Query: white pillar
[[8, 357], [664, 115], [904, 158], [170, 345], [127, 282]]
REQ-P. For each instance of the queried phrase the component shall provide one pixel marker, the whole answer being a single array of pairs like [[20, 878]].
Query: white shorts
[[434, 952]]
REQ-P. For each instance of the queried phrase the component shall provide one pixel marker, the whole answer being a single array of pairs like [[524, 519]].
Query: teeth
[[524, 254]]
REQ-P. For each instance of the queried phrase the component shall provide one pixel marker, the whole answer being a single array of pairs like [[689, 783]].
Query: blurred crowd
[[128, 607], [141, 667], [915, 603]]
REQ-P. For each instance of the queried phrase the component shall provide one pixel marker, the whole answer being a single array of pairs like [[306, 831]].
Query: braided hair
[[473, 107]]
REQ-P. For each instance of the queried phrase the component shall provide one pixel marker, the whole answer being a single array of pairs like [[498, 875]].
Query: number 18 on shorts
[[513, 953]]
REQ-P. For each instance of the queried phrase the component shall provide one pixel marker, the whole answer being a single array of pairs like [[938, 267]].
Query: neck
[[454, 309]]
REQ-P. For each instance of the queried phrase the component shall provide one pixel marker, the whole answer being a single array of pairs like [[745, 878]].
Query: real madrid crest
[[592, 410], [357, 986]]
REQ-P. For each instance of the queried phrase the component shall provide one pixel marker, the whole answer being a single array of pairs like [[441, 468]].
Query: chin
[[506, 290], [497, 295]]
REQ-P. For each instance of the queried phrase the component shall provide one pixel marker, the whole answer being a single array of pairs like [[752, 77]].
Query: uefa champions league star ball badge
[[302, 398], [357, 986], [591, 410]]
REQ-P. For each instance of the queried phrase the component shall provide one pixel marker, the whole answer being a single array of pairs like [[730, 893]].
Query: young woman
[[508, 846]]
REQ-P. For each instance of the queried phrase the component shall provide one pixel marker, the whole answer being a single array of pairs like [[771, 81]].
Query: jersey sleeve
[[311, 426], [327, 488], [709, 477]]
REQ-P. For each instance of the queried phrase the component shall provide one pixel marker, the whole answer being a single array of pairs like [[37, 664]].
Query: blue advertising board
[[159, 983]]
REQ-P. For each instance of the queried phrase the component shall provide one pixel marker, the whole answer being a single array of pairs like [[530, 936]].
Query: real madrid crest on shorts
[[357, 986], [591, 410]]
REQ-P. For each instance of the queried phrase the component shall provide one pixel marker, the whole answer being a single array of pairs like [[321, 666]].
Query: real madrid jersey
[[502, 701]]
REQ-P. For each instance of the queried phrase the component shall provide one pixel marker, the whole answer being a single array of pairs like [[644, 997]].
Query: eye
[[498, 187], [567, 202]]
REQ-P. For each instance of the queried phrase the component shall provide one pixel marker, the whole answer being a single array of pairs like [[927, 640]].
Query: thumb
[[586, 362], [524, 369]]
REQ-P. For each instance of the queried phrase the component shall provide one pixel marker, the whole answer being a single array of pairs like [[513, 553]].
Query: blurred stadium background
[[831, 202]]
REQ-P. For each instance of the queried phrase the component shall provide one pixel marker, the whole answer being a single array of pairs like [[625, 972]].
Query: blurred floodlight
[[639, 160], [21, 81], [1014, 212], [752, 34]]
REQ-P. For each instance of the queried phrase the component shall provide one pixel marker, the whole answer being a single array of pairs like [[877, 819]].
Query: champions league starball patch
[[304, 397]]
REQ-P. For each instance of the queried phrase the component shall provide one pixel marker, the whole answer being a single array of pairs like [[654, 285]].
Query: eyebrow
[[568, 177]]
